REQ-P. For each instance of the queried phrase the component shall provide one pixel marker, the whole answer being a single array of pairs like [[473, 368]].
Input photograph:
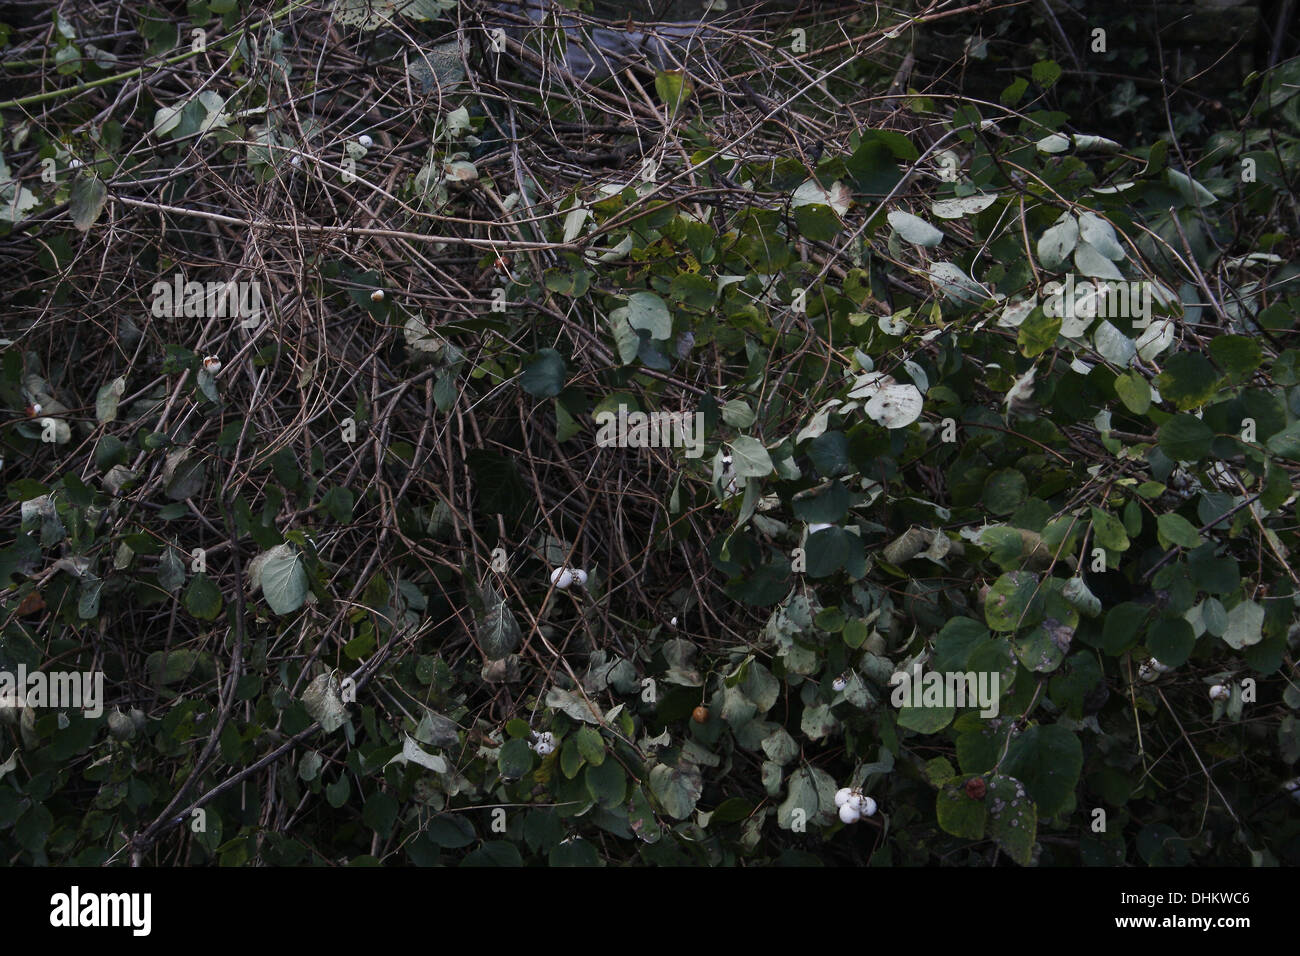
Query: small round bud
[[120, 726]]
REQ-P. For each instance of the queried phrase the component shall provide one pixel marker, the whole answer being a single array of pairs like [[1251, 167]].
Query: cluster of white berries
[[854, 805], [1220, 692], [545, 743], [1152, 669], [563, 577]]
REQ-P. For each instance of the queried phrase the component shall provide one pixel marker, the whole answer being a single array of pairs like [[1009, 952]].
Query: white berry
[[365, 141], [1219, 692], [212, 364], [562, 578], [868, 807], [842, 796], [580, 577], [295, 160], [849, 815], [377, 295], [839, 683], [545, 743]]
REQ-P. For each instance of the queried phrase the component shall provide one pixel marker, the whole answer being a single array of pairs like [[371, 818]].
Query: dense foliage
[[317, 572]]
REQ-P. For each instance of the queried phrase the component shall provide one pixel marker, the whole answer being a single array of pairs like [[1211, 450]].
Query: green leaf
[[1005, 491], [674, 88], [1057, 242], [203, 598], [812, 791], [607, 783], [1013, 819], [451, 831], [626, 340], [1037, 333], [1135, 392], [737, 413], [590, 745], [915, 230], [926, 720], [1170, 640], [543, 374], [1286, 443], [1239, 355], [499, 632], [1173, 529], [1108, 531], [515, 758], [107, 398], [1245, 623], [647, 312], [955, 642], [1188, 380], [86, 201], [171, 569], [749, 458], [1046, 73], [1013, 602], [817, 222], [1186, 438], [324, 703], [677, 788], [284, 579], [1120, 631], [380, 813], [1043, 648], [831, 549], [574, 706], [170, 667], [1047, 759], [960, 814]]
